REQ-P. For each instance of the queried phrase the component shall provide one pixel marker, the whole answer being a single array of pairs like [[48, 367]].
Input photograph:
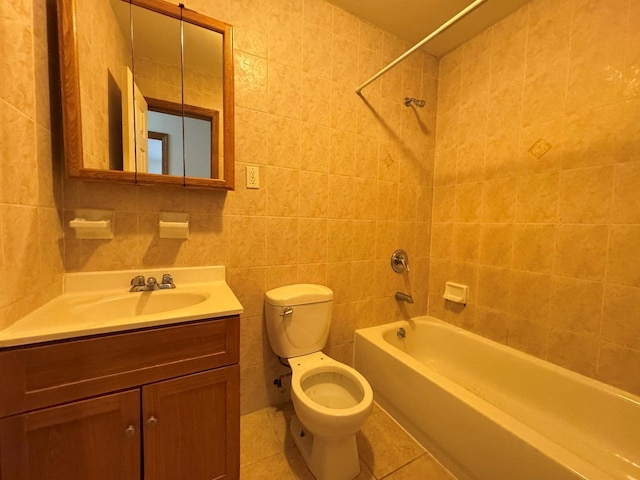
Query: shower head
[[415, 101]]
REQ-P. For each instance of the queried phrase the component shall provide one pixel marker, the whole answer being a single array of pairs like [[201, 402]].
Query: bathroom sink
[[100, 302], [136, 304]]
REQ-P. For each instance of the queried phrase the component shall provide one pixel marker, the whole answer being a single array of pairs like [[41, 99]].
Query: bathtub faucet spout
[[403, 297]]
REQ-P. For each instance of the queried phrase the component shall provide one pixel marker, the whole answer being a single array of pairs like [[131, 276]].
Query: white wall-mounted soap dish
[[456, 292], [93, 224]]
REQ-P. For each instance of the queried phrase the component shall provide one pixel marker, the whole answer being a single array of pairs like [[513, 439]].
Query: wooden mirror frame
[[71, 106]]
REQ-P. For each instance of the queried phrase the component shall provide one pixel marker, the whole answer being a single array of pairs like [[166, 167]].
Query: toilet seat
[[329, 397]]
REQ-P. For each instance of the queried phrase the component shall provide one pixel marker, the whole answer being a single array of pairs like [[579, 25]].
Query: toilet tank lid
[[298, 294]]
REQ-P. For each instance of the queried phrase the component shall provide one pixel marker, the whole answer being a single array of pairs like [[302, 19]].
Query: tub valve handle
[[400, 261]]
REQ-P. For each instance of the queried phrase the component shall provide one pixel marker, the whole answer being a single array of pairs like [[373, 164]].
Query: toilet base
[[332, 458]]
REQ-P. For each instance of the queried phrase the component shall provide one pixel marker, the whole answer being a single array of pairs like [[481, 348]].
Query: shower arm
[[437, 31]]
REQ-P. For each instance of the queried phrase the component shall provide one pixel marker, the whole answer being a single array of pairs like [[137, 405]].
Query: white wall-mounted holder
[[456, 292], [174, 225], [93, 224]]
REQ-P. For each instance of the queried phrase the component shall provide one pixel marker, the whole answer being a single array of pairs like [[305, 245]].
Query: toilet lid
[[298, 294]]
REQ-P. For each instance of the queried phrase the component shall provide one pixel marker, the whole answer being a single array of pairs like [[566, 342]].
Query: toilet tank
[[298, 318]]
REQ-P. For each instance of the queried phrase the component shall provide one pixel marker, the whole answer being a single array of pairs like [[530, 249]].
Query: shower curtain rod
[[437, 31]]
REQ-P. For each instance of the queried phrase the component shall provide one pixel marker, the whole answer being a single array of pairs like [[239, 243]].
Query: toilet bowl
[[332, 401], [330, 398]]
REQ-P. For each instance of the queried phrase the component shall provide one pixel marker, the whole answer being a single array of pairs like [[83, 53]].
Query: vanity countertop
[[100, 302]]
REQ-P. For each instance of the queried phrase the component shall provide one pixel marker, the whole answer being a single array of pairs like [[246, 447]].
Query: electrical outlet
[[253, 177]]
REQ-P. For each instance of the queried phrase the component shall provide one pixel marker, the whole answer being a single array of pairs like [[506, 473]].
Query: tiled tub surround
[[549, 245], [344, 184], [543, 421]]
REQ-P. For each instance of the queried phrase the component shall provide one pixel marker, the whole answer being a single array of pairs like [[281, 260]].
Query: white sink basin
[[136, 304], [201, 292]]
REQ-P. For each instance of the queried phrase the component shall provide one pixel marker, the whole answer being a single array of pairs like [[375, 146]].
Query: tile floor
[[267, 450]]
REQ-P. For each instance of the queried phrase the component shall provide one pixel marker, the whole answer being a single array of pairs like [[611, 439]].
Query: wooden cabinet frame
[[185, 376]]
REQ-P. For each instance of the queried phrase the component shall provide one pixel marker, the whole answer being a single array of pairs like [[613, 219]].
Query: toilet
[[331, 400]]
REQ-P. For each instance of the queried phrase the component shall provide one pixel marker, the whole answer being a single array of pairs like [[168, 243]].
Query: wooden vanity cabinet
[[161, 415], [94, 439], [187, 425]]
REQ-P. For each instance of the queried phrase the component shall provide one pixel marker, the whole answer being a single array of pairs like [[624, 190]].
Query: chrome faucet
[[152, 284], [138, 283], [403, 297], [167, 282]]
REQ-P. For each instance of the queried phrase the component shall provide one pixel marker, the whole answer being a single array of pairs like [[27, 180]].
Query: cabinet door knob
[[152, 421], [130, 431]]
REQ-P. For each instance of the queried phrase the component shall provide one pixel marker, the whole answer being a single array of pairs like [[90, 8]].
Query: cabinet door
[[192, 426], [95, 439]]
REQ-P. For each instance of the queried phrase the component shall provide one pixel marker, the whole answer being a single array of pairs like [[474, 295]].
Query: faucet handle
[[404, 262], [400, 261], [137, 281], [167, 281]]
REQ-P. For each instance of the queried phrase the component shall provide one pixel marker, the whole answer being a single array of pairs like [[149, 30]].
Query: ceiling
[[412, 20]]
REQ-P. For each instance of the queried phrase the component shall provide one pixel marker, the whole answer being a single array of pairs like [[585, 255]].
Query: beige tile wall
[[31, 263], [344, 182], [551, 245]]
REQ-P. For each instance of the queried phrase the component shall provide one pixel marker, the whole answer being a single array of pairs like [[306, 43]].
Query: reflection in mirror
[[120, 55], [200, 128], [157, 67], [203, 86], [158, 152], [104, 58], [170, 72]]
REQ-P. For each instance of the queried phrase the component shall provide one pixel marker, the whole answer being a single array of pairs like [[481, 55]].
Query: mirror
[[147, 93]]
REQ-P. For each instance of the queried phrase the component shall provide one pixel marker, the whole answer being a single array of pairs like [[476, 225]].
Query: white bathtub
[[490, 412]]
